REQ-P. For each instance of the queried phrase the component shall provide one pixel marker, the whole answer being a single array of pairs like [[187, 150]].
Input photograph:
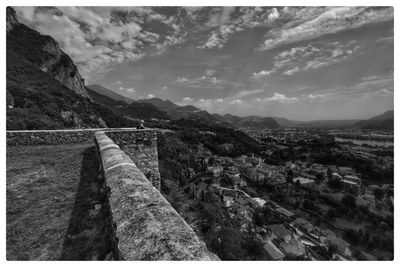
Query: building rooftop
[[280, 231], [285, 212], [273, 251]]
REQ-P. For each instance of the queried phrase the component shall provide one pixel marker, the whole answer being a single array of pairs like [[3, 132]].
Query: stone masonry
[[145, 226]]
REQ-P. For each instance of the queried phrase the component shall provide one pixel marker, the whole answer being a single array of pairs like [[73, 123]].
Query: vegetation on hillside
[[39, 101], [202, 206]]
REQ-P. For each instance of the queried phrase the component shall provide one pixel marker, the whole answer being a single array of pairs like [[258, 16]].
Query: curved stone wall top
[[146, 225]]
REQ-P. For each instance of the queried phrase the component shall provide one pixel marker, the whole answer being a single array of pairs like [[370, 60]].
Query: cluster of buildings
[[286, 235], [286, 136], [298, 237], [306, 174], [248, 168]]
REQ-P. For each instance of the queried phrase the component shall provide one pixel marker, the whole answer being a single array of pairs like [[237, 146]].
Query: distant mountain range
[[174, 111], [109, 93]]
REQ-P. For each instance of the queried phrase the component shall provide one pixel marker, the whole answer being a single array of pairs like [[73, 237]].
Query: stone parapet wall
[[145, 226], [53, 137], [141, 146]]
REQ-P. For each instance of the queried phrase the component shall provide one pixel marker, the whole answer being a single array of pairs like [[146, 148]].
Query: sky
[[302, 63]]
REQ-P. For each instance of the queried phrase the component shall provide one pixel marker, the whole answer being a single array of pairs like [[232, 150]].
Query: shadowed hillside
[[44, 88], [383, 121]]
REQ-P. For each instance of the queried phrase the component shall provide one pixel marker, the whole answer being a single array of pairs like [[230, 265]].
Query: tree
[[329, 174], [289, 176], [228, 244], [331, 213], [335, 184], [258, 217], [319, 177], [353, 236], [349, 201], [253, 246], [378, 193]]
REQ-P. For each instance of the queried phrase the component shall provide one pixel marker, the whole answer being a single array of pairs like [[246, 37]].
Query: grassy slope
[[50, 210]]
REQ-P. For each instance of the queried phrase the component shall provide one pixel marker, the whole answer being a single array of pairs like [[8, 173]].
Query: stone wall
[[145, 226], [49, 137], [54, 137], [141, 146]]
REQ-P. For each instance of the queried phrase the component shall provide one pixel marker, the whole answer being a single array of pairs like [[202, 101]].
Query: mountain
[[286, 122], [43, 52], [188, 108], [252, 122], [184, 112], [165, 105], [384, 121], [166, 109], [388, 115], [328, 124], [43, 86], [109, 93], [133, 111]]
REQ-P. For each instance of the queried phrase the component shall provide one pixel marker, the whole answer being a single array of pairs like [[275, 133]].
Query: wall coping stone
[[146, 226]]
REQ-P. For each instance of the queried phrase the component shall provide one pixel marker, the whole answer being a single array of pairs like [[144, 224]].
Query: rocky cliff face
[[11, 19], [49, 57], [62, 68]]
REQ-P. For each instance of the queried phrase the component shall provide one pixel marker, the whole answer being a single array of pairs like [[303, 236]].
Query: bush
[[349, 201]]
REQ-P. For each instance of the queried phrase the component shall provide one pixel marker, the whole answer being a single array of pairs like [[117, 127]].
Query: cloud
[[214, 40], [205, 103], [165, 88], [311, 96], [210, 72], [277, 97], [187, 99], [236, 102], [386, 40], [244, 93], [292, 71], [220, 103], [129, 90], [365, 87], [27, 13], [288, 25], [181, 79], [219, 16], [311, 22], [210, 103], [99, 37], [273, 15], [150, 96], [313, 56], [261, 74], [205, 81], [230, 21]]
